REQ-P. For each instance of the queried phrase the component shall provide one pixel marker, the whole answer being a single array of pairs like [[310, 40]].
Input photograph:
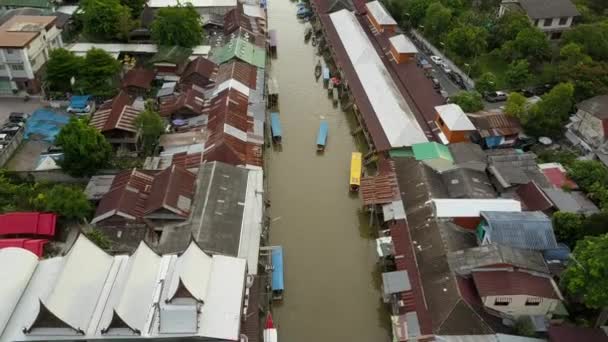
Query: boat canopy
[[277, 269], [273, 38], [326, 73], [275, 124], [322, 136]]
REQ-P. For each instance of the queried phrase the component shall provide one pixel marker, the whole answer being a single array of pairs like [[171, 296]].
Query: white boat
[[270, 332]]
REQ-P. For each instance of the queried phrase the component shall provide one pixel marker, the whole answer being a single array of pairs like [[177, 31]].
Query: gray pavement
[[14, 104]]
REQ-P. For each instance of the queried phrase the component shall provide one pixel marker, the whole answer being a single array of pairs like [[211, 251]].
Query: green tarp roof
[[171, 54], [243, 50], [431, 150], [26, 3]]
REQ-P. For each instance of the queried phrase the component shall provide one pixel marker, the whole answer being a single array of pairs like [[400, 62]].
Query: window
[[17, 67], [10, 51], [536, 22], [502, 301], [548, 22], [556, 35], [533, 301], [563, 21]]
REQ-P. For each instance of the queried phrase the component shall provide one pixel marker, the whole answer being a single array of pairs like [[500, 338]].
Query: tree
[[516, 106], [518, 74], [596, 224], [85, 150], [548, 116], [508, 26], [179, 25], [593, 38], [568, 227], [586, 173], [589, 79], [151, 126], [437, 20], [416, 10], [586, 275], [469, 101], [67, 201], [135, 6], [524, 327], [99, 238], [530, 44], [98, 75], [467, 41], [106, 19], [60, 68], [572, 54], [486, 82]]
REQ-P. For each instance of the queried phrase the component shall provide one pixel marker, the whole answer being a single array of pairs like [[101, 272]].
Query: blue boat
[[322, 136], [275, 125], [325, 73], [304, 12], [278, 285]]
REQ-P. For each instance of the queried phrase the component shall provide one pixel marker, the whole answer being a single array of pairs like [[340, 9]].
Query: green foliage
[[98, 75], [589, 79], [99, 238], [516, 106], [85, 149], [566, 158], [524, 327], [592, 177], [530, 44], [417, 10], [106, 19], [518, 74], [60, 68], [548, 116], [508, 26], [66, 201], [568, 227], [179, 25], [437, 21], [572, 54], [593, 38], [469, 101], [151, 126], [467, 41], [586, 275], [136, 6], [487, 82]]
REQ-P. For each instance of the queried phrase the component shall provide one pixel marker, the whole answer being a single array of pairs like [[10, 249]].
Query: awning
[[277, 269], [275, 124]]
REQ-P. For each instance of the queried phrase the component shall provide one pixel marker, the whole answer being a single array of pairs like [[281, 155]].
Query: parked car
[[17, 117], [437, 60], [495, 96], [446, 68], [456, 78], [436, 84], [541, 89], [527, 92]]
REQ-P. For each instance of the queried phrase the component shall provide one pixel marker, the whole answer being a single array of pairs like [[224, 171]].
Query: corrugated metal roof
[[379, 189], [195, 3], [395, 282], [512, 283], [528, 229], [454, 117], [469, 207], [241, 49], [463, 262]]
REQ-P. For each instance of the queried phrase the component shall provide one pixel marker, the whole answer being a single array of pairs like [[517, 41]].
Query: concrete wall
[[8, 150], [517, 307]]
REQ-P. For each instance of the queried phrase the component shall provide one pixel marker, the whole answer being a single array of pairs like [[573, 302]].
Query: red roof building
[[200, 72], [565, 333], [35, 246], [138, 81], [28, 223], [237, 70], [115, 119], [557, 175], [188, 103]]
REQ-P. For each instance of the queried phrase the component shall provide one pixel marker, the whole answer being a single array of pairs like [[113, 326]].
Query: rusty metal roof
[[139, 78], [492, 124], [117, 113]]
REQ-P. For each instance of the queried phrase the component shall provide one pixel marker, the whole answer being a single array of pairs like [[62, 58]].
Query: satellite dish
[[545, 141]]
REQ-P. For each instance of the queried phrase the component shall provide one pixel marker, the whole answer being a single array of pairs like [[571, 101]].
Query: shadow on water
[[377, 276], [384, 315], [366, 230]]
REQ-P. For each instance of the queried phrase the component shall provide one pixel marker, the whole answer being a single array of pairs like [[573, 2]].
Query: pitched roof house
[[115, 119], [591, 120], [552, 17], [527, 229], [200, 72], [138, 81], [496, 129], [188, 103]]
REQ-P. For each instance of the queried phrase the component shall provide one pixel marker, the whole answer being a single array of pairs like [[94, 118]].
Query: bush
[[469, 101]]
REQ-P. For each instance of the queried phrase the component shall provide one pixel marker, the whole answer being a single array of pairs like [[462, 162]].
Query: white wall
[[517, 307], [555, 26]]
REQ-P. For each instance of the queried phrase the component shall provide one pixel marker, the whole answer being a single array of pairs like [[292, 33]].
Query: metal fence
[[8, 150]]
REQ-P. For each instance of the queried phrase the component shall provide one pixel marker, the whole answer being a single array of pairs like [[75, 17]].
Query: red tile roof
[[533, 197], [558, 178], [511, 283], [495, 124], [566, 333], [35, 246], [117, 113], [139, 78], [32, 223]]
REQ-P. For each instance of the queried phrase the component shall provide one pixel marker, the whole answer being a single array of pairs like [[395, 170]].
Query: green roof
[[26, 3], [431, 150], [401, 153], [171, 54], [241, 49]]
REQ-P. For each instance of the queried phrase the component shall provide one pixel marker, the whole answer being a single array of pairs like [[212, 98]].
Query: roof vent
[[243, 338]]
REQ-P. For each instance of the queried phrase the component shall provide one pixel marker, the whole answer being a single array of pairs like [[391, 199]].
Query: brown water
[[331, 280]]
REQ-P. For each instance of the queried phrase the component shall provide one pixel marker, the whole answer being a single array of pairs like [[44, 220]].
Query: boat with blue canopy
[[278, 285], [303, 12], [325, 73], [322, 136], [275, 125]]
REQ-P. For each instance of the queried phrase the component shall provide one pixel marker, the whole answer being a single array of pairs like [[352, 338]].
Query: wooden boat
[[325, 73], [355, 171], [322, 136], [270, 332], [275, 125], [335, 95], [307, 32], [318, 70], [330, 88]]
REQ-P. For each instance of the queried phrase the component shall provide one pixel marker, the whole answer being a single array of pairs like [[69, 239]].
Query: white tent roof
[[454, 117], [253, 11], [193, 268], [396, 117], [467, 207], [402, 44], [195, 3], [18, 266], [380, 13]]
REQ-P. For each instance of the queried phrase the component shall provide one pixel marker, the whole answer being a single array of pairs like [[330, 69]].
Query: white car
[[437, 60], [445, 68]]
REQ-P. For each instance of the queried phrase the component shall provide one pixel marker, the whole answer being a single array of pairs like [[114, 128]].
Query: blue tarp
[[277, 269], [326, 73], [492, 142], [45, 124], [79, 101], [322, 136], [275, 124]]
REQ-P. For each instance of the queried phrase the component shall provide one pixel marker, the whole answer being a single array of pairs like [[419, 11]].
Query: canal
[[331, 279]]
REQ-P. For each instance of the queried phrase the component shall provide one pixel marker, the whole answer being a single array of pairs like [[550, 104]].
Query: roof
[[538, 9], [33, 223], [463, 262], [395, 282], [512, 283], [380, 189], [466, 207], [35, 246], [98, 186], [572, 202], [469, 155], [495, 124], [237, 70], [172, 189], [467, 183], [533, 197], [26, 3], [454, 117], [195, 3], [88, 294], [171, 54], [403, 44], [241, 49], [527, 229], [565, 333], [118, 113], [18, 265], [380, 13], [557, 175], [140, 78], [596, 106], [431, 150], [189, 102], [20, 30], [511, 167], [201, 67], [397, 120]]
